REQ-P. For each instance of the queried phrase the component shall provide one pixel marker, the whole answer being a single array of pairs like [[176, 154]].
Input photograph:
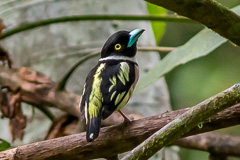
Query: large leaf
[[200, 45], [4, 145], [158, 27]]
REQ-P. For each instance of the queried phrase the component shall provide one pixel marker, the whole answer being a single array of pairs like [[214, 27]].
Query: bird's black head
[[122, 43]]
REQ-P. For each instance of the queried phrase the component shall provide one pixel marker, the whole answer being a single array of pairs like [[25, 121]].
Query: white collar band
[[132, 59]]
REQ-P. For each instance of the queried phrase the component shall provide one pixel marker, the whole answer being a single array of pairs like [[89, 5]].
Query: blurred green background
[[199, 79]]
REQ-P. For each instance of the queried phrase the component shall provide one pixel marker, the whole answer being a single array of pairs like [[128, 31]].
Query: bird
[[110, 84]]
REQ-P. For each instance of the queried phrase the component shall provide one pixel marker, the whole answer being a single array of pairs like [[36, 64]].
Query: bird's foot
[[126, 119]]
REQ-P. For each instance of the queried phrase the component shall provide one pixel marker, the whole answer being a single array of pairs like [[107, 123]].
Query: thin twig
[[82, 52], [28, 26], [46, 111], [63, 81], [156, 48]]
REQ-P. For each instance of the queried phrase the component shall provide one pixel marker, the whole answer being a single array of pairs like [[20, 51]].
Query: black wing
[[91, 102], [119, 79]]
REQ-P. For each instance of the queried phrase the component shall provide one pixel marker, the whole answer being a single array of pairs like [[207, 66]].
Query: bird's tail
[[93, 128]]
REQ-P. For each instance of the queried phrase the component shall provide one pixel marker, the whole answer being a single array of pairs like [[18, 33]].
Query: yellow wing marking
[[112, 96], [125, 99], [119, 97], [125, 69], [129, 94], [113, 81], [96, 99], [121, 77], [124, 72]]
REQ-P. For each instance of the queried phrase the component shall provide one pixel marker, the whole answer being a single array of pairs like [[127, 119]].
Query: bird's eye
[[118, 46]]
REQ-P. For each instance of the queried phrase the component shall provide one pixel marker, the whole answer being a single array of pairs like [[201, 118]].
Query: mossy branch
[[128, 134], [115, 139], [43, 92], [32, 25], [185, 122], [208, 12]]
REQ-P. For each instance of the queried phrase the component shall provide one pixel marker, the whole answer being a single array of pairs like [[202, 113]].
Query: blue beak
[[134, 35]]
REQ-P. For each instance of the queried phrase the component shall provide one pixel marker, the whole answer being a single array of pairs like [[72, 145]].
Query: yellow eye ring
[[118, 46]]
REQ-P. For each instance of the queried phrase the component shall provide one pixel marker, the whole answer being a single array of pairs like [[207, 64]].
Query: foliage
[[158, 27], [4, 145], [200, 45]]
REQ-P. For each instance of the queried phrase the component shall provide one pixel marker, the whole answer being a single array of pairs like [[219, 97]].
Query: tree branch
[[115, 139], [214, 143], [185, 122], [21, 28], [36, 89], [208, 12]]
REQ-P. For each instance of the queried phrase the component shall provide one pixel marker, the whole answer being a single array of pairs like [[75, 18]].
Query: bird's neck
[[124, 58]]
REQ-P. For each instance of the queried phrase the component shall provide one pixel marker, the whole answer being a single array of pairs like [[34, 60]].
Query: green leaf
[[200, 45], [4, 145], [157, 27]]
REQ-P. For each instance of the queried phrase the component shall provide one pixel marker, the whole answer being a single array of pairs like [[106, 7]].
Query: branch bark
[[38, 90], [115, 139], [185, 122], [213, 143], [208, 12]]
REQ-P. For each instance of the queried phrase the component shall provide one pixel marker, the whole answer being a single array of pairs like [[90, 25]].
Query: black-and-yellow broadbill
[[110, 84]]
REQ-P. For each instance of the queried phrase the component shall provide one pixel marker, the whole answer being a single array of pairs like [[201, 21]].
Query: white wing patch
[[82, 94], [86, 111], [91, 136]]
